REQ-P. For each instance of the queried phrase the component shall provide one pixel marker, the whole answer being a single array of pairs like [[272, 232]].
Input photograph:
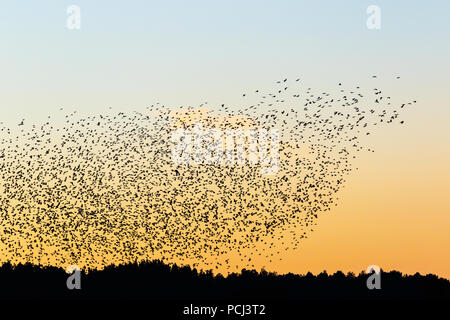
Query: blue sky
[[132, 53]]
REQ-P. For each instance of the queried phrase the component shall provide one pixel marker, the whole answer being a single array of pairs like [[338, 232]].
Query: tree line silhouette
[[156, 280]]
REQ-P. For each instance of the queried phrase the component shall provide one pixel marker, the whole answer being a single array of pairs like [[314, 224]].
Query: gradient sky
[[394, 211]]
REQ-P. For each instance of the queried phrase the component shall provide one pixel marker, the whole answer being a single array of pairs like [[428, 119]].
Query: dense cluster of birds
[[103, 189]]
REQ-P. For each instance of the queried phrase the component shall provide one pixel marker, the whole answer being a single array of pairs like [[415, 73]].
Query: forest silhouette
[[158, 281]]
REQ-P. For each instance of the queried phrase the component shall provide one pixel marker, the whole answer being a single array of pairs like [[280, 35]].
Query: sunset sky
[[394, 211]]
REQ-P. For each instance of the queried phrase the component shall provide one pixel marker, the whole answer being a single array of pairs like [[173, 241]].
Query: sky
[[394, 211]]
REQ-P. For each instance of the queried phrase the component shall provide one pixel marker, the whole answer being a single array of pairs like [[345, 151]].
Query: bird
[[104, 189]]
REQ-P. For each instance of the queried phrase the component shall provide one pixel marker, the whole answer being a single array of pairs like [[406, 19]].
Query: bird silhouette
[[103, 189]]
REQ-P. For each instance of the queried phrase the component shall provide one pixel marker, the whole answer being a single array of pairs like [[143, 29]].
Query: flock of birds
[[103, 189]]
